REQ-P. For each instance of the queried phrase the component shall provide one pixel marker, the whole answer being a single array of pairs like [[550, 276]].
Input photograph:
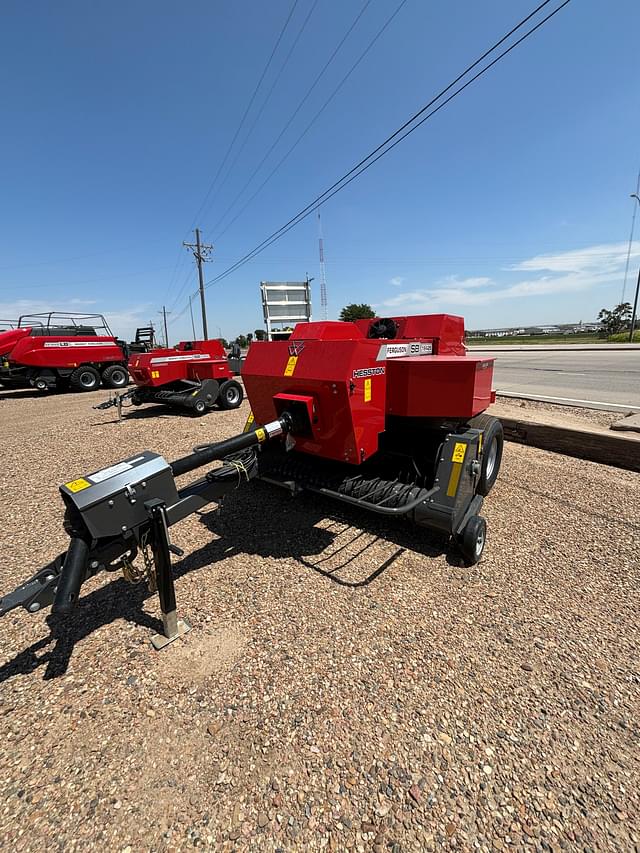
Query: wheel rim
[[480, 542], [232, 395], [118, 377], [492, 457], [200, 406], [87, 379]]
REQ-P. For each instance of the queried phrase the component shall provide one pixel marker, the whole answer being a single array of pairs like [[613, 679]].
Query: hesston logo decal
[[368, 371]]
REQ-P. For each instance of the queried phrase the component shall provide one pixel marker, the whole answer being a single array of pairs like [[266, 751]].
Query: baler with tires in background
[[66, 351], [386, 415], [195, 375]]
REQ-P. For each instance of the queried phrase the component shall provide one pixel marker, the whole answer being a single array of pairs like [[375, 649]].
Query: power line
[[296, 111], [313, 120], [231, 144], [402, 132], [267, 97], [246, 112]]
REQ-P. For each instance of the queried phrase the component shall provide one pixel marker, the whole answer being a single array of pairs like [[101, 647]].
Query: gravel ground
[[347, 685]]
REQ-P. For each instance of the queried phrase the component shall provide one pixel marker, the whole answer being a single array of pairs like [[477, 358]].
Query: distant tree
[[224, 342], [356, 312], [260, 335], [241, 341], [617, 320], [249, 337]]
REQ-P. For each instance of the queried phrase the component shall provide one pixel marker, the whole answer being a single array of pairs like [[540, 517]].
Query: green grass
[[539, 339], [623, 337]]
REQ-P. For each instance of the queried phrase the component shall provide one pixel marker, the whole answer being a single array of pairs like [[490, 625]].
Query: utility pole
[[164, 313], [634, 313], [193, 325], [201, 254]]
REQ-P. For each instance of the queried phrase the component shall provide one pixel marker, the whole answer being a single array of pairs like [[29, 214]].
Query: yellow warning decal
[[78, 485], [249, 421], [480, 437], [155, 374], [367, 390], [291, 365], [459, 451], [261, 435]]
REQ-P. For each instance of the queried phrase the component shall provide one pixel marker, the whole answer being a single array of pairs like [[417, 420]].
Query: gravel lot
[[347, 685]]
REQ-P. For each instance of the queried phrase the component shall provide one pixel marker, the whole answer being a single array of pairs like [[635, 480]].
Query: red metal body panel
[[193, 360], [346, 426], [9, 339], [60, 351], [445, 330], [351, 382], [439, 386]]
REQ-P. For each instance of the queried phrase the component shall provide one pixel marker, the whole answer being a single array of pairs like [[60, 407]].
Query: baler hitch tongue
[[116, 400], [110, 527]]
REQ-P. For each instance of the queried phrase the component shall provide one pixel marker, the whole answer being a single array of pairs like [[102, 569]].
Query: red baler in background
[[194, 375], [55, 350]]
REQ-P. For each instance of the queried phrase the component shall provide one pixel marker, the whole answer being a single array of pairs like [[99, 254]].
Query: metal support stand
[[161, 547]]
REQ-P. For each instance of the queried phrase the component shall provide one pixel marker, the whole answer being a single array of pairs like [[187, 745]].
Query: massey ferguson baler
[[53, 350], [384, 414], [195, 375]]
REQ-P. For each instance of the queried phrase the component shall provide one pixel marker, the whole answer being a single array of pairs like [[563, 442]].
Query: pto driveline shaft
[[211, 452]]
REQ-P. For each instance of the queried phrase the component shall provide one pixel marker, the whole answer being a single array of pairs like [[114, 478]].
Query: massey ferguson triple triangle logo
[[295, 347]]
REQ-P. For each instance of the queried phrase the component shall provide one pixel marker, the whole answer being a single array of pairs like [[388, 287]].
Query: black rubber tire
[[472, 539], [40, 384], [85, 378], [492, 443], [115, 376], [231, 394], [200, 407]]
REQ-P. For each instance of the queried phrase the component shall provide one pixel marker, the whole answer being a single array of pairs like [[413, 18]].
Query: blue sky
[[511, 206]]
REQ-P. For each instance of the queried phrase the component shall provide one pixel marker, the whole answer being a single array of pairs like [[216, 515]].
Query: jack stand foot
[[159, 641]]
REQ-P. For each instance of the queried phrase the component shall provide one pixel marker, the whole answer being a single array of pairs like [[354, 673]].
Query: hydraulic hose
[[72, 575]]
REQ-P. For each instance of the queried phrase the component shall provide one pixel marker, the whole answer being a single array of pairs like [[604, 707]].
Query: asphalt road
[[596, 376]]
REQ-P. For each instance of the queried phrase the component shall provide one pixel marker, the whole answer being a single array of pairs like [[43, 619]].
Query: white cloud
[[608, 256], [574, 271], [123, 322], [456, 283], [396, 281]]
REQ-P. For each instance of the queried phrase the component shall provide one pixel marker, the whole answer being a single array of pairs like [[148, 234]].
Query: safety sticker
[[291, 365], [367, 390], [459, 451], [155, 374], [78, 485], [99, 476], [249, 421], [261, 435]]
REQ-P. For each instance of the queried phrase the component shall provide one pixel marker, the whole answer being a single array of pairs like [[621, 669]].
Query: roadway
[[593, 375]]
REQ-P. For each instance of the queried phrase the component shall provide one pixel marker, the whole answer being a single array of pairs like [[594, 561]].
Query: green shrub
[[623, 337]]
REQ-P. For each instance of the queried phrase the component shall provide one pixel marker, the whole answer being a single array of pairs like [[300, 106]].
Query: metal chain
[[132, 574]]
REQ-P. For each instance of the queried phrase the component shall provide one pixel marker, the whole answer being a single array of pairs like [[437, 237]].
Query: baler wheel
[[200, 407], [115, 376], [492, 442], [231, 394], [85, 378], [472, 539]]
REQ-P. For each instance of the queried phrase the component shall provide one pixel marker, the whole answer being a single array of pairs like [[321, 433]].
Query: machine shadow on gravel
[[243, 526], [296, 535]]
